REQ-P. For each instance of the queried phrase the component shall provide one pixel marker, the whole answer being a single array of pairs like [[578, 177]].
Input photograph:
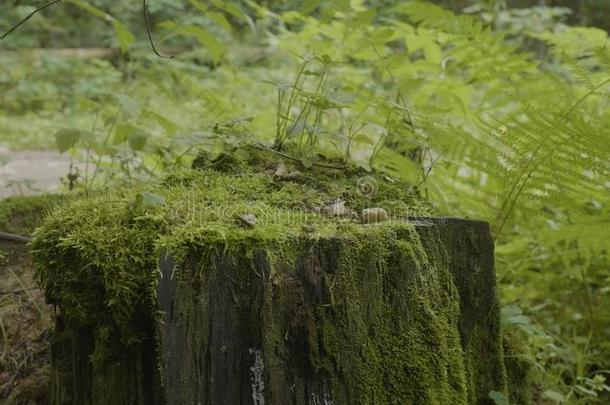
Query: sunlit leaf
[[122, 131], [219, 19], [124, 36], [215, 47]]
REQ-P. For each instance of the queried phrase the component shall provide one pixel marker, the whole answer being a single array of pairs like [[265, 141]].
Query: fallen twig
[[9, 237]]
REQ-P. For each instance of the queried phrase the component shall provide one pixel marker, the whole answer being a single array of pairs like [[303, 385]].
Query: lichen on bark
[[382, 324]]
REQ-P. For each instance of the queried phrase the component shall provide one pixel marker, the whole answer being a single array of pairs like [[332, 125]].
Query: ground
[[28, 172], [25, 319]]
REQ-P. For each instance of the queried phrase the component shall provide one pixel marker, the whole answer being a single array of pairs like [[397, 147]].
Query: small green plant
[[302, 104], [4, 255]]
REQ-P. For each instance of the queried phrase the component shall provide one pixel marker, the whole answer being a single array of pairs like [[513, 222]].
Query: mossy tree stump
[[164, 298], [388, 316]]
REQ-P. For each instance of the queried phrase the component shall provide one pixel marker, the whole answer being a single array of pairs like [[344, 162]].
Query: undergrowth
[[484, 115]]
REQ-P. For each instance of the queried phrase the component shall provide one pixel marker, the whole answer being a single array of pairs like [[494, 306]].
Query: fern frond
[[432, 16]]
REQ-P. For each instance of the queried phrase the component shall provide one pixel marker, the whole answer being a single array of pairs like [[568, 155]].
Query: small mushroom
[[282, 173], [372, 215], [335, 209], [246, 220]]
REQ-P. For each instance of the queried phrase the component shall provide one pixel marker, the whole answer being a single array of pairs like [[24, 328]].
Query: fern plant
[[489, 131]]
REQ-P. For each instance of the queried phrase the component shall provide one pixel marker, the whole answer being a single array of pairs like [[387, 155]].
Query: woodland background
[[495, 110]]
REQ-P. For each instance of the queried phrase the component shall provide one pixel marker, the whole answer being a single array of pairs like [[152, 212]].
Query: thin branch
[[149, 33], [32, 14], [9, 237]]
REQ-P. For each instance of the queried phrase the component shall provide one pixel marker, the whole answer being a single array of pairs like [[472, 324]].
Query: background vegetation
[[497, 110]]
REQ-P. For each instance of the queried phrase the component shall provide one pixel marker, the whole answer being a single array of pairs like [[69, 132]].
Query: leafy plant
[[484, 119]]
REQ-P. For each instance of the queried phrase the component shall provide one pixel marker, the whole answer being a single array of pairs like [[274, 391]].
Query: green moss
[[21, 215], [519, 370], [381, 297], [386, 303], [96, 256]]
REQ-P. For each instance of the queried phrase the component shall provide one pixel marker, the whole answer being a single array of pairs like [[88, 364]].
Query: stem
[[149, 33], [99, 159]]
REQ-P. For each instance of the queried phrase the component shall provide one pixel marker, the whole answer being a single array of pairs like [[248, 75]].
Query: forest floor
[[31, 172], [25, 319], [26, 330]]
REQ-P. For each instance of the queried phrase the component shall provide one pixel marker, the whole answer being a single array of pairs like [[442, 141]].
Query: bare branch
[[149, 33], [32, 14]]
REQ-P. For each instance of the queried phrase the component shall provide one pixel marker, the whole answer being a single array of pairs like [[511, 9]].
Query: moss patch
[[389, 330], [375, 318], [96, 256], [21, 215], [519, 370]]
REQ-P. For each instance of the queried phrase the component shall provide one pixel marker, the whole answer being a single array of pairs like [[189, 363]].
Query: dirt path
[[32, 172]]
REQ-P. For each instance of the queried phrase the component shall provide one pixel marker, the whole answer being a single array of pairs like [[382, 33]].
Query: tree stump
[[314, 308], [385, 318], [399, 316]]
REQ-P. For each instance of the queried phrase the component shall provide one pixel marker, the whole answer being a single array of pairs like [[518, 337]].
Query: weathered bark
[[130, 378], [219, 340], [415, 320]]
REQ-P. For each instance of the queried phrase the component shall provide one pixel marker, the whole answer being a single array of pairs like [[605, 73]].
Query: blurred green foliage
[[67, 25], [500, 113]]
